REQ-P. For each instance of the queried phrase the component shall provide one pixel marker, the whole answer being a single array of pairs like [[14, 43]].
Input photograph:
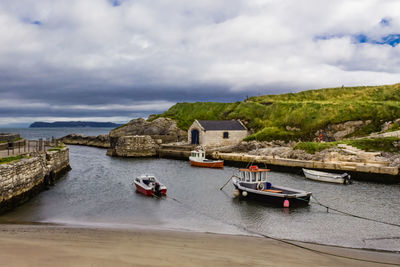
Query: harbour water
[[98, 191]]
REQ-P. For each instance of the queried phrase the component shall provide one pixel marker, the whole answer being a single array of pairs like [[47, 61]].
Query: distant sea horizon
[[44, 133]]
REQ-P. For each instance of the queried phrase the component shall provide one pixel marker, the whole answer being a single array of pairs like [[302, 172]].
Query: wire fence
[[21, 147]]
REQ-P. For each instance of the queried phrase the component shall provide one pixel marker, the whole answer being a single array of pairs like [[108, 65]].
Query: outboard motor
[[347, 179], [157, 190]]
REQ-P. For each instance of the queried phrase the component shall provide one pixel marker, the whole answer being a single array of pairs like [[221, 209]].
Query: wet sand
[[55, 245]]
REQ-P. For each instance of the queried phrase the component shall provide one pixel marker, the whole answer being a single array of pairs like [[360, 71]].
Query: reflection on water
[[99, 191]]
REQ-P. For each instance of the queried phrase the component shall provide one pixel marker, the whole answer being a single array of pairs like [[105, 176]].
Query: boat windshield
[[256, 176], [253, 176]]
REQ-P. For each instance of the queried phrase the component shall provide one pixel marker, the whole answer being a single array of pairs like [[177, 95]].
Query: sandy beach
[[55, 245]]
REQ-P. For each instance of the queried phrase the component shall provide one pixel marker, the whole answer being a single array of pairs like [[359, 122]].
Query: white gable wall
[[216, 138]]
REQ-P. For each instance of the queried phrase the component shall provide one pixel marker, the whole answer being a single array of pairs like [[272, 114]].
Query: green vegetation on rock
[[58, 148], [297, 116], [10, 159], [312, 147], [387, 144]]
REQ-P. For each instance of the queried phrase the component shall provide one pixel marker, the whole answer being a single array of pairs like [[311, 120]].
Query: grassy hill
[[269, 115]]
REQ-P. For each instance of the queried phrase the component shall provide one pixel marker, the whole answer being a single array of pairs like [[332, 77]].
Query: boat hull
[[149, 192], [277, 196], [325, 177], [277, 201], [211, 164]]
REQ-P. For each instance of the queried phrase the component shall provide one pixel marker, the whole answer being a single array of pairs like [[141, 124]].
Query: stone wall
[[134, 146], [21, 179], [216, 138]]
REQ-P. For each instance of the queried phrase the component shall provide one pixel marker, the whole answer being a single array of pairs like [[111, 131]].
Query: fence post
[[40, 144]]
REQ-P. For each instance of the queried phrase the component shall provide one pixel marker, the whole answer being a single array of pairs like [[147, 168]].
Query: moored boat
[[149, 185], [252, 183], [198, 158], [327, 177]]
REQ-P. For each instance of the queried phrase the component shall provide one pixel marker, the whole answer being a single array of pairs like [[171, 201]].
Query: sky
[[115, 60]]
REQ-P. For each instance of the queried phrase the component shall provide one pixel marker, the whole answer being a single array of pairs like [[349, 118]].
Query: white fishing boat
[[327, 177], [198, 158], [252, 183]]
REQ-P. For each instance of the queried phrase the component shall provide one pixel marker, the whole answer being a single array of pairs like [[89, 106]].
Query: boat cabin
[[198, 154], [253, 175]]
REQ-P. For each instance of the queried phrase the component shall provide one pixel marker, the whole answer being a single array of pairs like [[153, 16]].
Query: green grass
[[312, 147], [394, 127], [16, 139], [10, 159], [59, 148], [386, 144], [267, 116]]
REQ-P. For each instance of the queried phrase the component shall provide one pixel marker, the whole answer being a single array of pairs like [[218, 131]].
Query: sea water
[[98, 191]]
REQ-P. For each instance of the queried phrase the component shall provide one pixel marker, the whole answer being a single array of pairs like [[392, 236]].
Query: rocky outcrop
[[336, 132], [162, 130], [134, 146], [102, 140], [386, 126]]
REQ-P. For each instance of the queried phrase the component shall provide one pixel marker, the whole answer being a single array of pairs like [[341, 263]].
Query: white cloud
[[236, 45]]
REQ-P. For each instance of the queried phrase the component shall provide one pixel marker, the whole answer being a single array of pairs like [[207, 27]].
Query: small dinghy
[[149, 186], [252, 183], [198, 158], [327, 177]]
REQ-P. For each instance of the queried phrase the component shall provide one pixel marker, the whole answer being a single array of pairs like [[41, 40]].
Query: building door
[[195, 137]]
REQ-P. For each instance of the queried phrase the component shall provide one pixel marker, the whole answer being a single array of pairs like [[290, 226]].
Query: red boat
[[150, 186], [197, 158]]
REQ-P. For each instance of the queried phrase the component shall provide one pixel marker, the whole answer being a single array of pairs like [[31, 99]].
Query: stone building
[[216, 133]]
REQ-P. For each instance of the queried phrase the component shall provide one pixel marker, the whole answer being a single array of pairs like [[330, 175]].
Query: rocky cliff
[[102, 140]]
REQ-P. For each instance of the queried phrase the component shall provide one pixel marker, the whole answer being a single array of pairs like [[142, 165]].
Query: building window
[[226, 135]]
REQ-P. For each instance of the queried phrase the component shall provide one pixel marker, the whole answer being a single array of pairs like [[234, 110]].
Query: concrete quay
[[379, 172]]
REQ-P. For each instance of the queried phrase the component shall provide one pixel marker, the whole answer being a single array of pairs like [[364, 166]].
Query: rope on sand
[[282, 240]]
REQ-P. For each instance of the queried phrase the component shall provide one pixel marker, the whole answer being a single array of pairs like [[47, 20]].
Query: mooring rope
[[350, 214], [279, 239]]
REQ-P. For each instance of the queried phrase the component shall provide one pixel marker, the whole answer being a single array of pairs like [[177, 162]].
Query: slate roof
[[222, 125]]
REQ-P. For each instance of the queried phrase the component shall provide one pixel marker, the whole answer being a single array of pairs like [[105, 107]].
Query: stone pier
[[20, 180]]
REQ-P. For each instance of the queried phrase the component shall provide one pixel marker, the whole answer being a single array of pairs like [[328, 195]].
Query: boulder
[[164, 129], [336, 132]]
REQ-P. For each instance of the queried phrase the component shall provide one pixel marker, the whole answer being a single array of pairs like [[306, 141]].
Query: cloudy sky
[[114, 60]]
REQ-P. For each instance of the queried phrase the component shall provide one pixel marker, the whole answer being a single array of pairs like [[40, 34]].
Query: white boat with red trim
[[149, 185], [198, 158], [252, 183]]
